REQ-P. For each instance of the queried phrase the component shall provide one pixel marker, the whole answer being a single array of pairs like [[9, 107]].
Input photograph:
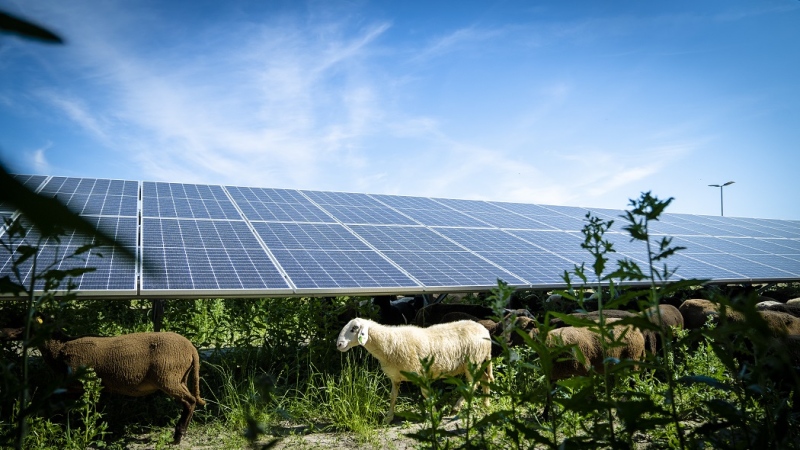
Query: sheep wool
[[400, 349], [135, 364]]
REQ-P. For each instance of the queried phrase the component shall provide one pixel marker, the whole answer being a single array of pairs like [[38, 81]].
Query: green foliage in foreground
[[271, 369]]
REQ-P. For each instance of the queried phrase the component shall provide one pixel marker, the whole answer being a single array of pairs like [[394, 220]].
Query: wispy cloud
[[463, 38], [285, 95], [38, 159], [76, 111]]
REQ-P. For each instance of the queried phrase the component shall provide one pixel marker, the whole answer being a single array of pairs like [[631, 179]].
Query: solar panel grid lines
[[88, 196], [524, 209], [381, 267], [425, 243], [325, 250], [113, 273], [427, 211], [777, 229], [190, 201], [246, 241], [787, 263], [280, 205], [206, 255], [263, 245]]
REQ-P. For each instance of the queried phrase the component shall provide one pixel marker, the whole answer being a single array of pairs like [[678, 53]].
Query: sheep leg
[[181, 393], [392, 402], [183, 422], [488, 377]]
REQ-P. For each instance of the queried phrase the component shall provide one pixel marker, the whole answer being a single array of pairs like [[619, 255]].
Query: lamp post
[[720, 186]]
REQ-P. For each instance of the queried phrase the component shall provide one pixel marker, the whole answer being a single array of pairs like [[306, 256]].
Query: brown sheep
[[593, 315], [781, 323], [650, 337], [589, 344], [496, 328], [670, 317], [790, 308], [134, 364], [696, 311]]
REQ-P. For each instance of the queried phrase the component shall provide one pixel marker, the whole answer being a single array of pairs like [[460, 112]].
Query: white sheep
[[400, 349]]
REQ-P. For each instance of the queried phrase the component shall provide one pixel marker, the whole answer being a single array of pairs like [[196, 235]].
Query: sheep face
[[354, 333]]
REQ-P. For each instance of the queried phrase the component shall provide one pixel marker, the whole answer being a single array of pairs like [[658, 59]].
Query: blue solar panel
[[308, 236], [358, 209], [278, 205], [343, 199], [184, 254], [114, 272], [374, 216], [90, 196], [524, 209], [513, 221], [414, 239], [187, 201], [429, 212], [537, 269], [789, 264], [488, 240], [338, 269], [451, 269], [553, 241], [319, 256], [230, 241], [472, 206]]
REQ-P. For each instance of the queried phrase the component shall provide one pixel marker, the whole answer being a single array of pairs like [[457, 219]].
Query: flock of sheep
[[450, 335]]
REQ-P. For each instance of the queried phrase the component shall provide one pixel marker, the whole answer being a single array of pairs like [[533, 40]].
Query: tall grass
[[354, 399]]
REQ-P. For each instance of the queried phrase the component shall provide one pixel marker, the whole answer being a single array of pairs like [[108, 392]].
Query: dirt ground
[[392, 437]]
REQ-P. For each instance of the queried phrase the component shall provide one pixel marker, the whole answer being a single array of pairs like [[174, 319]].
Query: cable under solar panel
[[193, 240]]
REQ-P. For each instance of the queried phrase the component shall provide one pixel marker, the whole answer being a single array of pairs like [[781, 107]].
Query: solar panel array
[[228, 241]]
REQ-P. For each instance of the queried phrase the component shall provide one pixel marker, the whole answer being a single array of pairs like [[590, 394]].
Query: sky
[[576, 103]]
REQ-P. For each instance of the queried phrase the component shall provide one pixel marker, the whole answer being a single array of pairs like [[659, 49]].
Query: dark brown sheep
[[696, 311], [789, 308], [496, 328], [649, 335], [134, 364], [781, 323], [588, 342], [593, 315], [670, 317]]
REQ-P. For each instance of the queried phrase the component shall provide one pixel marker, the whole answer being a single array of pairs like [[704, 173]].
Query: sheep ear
[[363, 335]]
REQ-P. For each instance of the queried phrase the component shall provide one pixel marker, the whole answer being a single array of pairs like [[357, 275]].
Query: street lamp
[[720, 194]]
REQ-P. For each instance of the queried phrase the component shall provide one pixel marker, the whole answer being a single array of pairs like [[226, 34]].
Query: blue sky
[[551, 102]]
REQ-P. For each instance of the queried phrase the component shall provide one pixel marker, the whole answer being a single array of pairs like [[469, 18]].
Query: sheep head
[[356, 332]]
